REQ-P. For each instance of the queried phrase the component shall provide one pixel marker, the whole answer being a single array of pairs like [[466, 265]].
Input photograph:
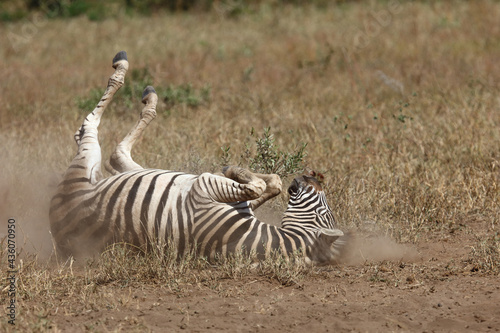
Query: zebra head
[[308, 202], [308, 211]]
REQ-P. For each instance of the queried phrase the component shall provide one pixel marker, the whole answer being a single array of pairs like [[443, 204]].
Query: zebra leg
[[244, 176], [86, 165], [226, 190], [121, 160], [273, 188]]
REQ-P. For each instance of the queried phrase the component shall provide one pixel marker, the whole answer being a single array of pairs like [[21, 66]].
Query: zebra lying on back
[[144, 206]]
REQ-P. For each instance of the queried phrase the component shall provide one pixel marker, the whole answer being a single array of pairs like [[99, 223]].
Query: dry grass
[[47, 287], [401, 118]]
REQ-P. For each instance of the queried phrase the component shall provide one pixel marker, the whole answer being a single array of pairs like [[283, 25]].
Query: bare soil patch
[[434, 289]]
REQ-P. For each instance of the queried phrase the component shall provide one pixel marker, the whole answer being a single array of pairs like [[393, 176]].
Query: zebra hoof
[[146, 92], [122, 55]]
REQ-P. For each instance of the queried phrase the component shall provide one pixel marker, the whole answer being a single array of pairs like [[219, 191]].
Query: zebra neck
[[296, 236], [299, 220]]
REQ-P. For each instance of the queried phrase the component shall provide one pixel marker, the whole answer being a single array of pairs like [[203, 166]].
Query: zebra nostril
[[294, 187]]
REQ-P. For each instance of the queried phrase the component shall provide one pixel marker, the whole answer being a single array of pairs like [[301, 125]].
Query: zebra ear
[[329, 235]]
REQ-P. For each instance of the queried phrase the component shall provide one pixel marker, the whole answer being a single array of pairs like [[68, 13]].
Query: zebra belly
[[153, 208], [137, 207]]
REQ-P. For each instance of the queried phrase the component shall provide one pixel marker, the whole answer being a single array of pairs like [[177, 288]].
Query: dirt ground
[[429, 288], [382, 287]]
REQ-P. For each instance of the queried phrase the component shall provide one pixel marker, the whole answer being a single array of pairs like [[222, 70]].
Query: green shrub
[[267, 157], [184, 94], [99, 10], [129, 96]]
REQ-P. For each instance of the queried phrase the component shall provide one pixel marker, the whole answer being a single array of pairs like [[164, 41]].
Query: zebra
[[210, 213]]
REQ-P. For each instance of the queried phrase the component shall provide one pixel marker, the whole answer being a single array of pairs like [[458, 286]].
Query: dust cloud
[[371, 248], [25, 193], [362, 245]]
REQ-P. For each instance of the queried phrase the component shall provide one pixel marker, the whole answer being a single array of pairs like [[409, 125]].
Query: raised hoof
[[122, 55], [146, 92]]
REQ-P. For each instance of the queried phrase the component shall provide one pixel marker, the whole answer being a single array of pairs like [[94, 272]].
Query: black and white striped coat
[[149, 206]]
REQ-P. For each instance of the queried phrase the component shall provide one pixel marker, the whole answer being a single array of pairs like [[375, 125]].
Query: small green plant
[[401, 117], [226, 155], [185, 94], [269, 158]]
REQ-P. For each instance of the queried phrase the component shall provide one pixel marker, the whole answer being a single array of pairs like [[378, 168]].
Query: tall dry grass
[[400, 113]]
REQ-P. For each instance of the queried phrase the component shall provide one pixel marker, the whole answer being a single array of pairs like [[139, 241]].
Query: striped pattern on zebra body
[[150, 206]]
